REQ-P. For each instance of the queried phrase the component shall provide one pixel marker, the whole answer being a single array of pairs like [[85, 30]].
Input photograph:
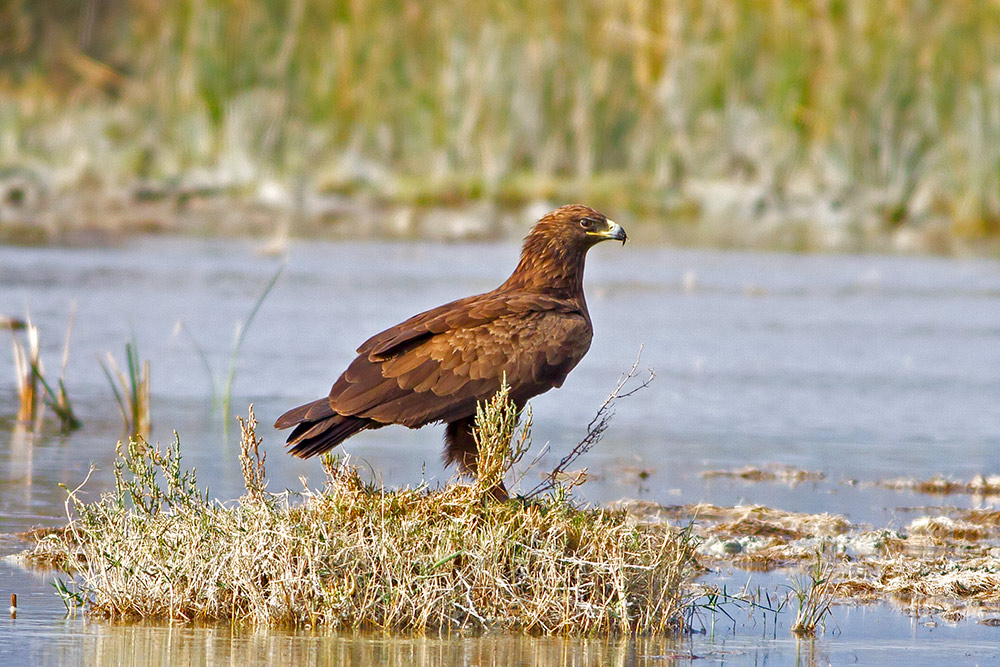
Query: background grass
[[801, 124]]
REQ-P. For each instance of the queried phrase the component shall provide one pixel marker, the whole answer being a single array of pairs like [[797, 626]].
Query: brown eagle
[[436, 366]]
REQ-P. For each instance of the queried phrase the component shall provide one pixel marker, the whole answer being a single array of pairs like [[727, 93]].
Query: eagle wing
[[437, 365]]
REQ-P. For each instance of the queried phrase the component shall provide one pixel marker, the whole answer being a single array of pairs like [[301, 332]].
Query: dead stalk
[[32, 387], [27, 366], [595, 430]]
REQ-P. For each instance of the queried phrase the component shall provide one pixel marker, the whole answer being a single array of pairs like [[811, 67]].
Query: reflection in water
[[18, 476], [19, 460], [165, 645]]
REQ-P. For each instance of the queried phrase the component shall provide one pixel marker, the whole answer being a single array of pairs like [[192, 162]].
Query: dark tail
[[319, 429]]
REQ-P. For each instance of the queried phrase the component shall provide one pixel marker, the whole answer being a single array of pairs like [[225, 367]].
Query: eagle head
[[552, 256], [578, 226]]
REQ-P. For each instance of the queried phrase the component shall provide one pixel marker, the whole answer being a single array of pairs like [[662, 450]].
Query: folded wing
[[436, 366]]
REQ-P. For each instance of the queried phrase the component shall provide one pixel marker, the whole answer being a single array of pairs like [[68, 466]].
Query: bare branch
[[596, 427]]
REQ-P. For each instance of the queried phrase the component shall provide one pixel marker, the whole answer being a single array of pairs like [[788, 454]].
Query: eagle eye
[[587, 223]]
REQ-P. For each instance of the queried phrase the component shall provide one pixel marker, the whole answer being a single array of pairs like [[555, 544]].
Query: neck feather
[[549, 266]]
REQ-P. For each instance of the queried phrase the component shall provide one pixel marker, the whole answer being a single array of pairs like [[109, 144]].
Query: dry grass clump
[[857, 589], [943, 527], [964, 582], [971, 580], [815, 594], [355, 556], [765, 522], [741, 520], [27, 365], [33, 388], [980, 485], [757, 538], [941, 564], [775, 473], [987, 518]]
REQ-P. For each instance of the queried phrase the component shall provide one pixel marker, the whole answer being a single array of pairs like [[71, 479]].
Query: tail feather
[[318, 429], [312, 411]]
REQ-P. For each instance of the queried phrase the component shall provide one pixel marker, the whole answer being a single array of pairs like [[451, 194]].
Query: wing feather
[[461, 314], [438, 365], [449, 384], [402, 365], [427, 371], [432, 379]]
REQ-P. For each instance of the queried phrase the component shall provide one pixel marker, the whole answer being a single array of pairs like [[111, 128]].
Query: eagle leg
[[461, 451]]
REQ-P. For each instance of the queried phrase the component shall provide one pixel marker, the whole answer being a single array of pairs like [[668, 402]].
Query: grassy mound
[[354, 556]]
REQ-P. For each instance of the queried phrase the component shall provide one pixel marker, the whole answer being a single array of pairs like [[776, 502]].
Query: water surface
[[861, 367]]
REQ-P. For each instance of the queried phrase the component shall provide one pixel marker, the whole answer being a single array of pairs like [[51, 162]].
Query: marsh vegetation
[[356, 556], [858, 125]]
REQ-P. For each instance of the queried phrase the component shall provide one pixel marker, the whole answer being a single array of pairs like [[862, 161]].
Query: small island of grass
[[355, 556]]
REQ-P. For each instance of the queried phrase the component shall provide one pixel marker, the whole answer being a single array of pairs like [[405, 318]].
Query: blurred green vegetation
[[849, 119]]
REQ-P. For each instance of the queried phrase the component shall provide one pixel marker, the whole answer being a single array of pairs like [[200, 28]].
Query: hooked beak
[[614, 232]]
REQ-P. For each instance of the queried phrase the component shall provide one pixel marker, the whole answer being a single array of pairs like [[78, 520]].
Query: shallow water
[[864, 368]]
